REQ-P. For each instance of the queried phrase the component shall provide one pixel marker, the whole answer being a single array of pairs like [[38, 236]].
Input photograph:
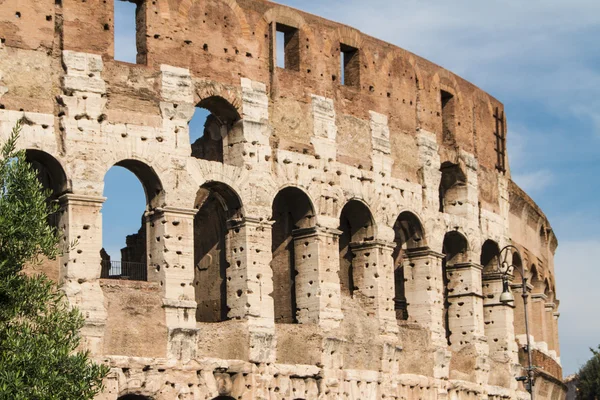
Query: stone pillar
[[465, 314], [556, 317], [550, 328], [430, 174], [373, 273], [382, 148], [325, 129], [80, 221], [538, 320], [247, 144], [251, 284], [500, 333], [170, 246], [318, 298], [466, 303], [424, 290]]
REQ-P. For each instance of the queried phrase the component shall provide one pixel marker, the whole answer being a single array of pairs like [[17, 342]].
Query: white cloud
[[534, 182]]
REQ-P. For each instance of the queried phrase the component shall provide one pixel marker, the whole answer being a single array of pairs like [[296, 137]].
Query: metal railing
[[133, 271]]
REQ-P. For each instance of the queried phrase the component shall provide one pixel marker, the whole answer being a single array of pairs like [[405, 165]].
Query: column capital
[[249, 221], [316, 231], [467, 265], [173, 210], [81, 199], [423, 252], [372, 244]]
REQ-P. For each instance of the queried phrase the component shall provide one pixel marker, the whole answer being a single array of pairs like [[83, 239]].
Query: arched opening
[[292, 212], [455, 248], [223, 398], [357, 226], [213, 119], [131, 189], [51, 175], [408, 236], [217, 204], [134, 397], [453, 188], [489, 256]]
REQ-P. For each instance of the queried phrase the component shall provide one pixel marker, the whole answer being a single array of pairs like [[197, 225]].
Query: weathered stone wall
[[338, 246]]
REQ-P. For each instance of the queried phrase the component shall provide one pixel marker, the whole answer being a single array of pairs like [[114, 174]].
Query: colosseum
[[334, 234]]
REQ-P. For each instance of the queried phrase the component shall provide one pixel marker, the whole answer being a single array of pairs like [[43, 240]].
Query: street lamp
[[506, 268]]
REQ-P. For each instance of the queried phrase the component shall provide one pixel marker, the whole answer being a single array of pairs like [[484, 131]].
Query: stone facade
[[332, 235]]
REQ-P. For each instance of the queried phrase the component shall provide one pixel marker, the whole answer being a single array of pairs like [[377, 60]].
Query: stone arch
[[219, 124], [409, 236], [490, 252], [358, 227], [223, 398], [153, 187], [134, 257], [293, 213], [50, 171], [217, 205]]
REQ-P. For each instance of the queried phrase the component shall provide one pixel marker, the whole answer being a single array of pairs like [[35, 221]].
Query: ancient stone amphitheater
[[333, 235]]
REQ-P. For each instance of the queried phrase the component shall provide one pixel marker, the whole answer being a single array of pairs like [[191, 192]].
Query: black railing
[[133, 271]]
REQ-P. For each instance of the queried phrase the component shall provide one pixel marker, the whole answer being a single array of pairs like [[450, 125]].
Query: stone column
[[424, 290], [550, 328], [80, 223], [500, 333], [170, 246], [316, 252], [465, 314], [538, 320], [373, 273], [251, 284]]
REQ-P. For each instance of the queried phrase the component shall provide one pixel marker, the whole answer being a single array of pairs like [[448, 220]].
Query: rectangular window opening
[[130, 31], [448, 118], [287, 46], [350, 66]]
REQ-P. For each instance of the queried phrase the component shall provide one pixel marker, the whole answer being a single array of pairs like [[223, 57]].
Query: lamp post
[[506, 268]]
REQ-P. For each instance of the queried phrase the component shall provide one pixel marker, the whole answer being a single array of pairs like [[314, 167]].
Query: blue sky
[[541, 58]]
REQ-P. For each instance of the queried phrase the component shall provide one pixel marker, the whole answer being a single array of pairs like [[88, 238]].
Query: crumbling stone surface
[[331, 236]]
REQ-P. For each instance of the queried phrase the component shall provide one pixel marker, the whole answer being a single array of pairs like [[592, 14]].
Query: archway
[[453, 188], [408, 236], [292, 212], [213, 119], [51, 175], [131, 188], [455, 249], [217, 204], [357, 226]]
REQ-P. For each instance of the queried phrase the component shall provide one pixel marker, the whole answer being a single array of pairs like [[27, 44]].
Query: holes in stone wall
[[130, 31], [350, 65], [213, 120]]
